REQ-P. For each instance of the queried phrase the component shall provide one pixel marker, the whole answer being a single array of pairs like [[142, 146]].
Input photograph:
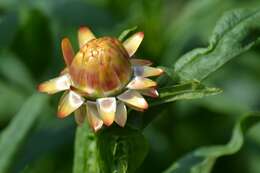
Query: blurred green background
[[30, 36]]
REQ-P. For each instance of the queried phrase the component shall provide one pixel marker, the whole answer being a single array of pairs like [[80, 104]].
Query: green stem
[[86, 155], [112, 150]]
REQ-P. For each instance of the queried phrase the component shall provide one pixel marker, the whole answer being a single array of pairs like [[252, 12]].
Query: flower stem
[[85, 152], [112, 150]]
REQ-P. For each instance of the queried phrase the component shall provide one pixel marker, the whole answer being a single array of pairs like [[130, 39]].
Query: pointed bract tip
[[141, 34], [145, 106], [155, 94], [150, 92], [64, 40], [108, 122], [82, 28], [43, 88], [39, 88], [133, 42], [139, 83], [61, 114], [160, 70]]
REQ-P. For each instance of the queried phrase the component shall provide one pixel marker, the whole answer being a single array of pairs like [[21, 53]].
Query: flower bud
[[101, 68]]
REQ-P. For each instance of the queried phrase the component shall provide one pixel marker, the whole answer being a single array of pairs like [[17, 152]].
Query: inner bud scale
[[101, 68]]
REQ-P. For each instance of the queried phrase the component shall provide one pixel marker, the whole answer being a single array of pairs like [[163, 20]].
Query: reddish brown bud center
[[101, 67]]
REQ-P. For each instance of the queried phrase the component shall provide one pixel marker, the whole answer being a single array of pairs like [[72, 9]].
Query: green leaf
[[33, 42], [185, 91], [14, 135], [11, 101], [179, 31], [203, 159], [15, 71], [86, 154], [8, 27], [236, 32], [122, 150], [126, 33]]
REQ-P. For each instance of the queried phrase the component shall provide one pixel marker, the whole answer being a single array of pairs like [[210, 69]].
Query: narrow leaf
[[13, 136], [126, 33], [15, 72], [11, 100], [186, 91], [203, 159], [9, 24], [235, 33]]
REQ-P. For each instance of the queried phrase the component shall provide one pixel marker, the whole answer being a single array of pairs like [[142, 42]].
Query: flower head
[[102, 78]]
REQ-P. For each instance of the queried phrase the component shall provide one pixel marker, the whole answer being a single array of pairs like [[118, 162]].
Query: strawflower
[[102, 78]]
